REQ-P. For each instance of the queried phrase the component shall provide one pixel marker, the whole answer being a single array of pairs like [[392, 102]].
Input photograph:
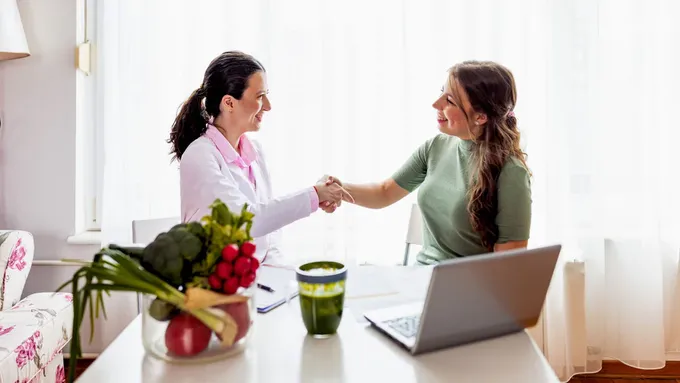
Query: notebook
[[281, 280]]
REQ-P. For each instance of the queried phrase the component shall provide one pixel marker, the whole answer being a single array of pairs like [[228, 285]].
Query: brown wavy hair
[[490, 88]]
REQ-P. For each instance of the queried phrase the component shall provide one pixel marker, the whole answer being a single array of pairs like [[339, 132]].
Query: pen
[[265, 288]]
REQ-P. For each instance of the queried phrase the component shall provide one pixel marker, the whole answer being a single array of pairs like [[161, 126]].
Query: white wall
[[38, 150]]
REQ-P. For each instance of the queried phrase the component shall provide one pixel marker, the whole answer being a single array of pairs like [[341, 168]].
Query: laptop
[[471, 299]]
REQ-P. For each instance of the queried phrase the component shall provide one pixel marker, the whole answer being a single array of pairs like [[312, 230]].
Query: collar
[[464, 144], [229, 154]]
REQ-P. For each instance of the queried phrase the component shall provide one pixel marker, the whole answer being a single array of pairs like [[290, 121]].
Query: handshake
[[331, 193]]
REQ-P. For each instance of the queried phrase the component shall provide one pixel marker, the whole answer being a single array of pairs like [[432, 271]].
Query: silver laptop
[[471, 299]]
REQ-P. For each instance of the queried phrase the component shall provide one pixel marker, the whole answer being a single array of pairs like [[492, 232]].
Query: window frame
[[89, 137]]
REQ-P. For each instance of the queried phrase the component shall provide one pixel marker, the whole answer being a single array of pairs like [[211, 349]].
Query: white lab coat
[[205, 176]]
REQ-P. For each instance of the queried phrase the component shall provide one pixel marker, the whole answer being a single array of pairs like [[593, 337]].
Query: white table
[[281, 352]]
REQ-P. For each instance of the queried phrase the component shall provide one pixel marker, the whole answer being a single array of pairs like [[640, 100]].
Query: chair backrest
[[146, 230], [414, 234]]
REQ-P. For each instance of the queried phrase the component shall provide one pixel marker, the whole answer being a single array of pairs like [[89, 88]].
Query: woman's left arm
[[514, 207]]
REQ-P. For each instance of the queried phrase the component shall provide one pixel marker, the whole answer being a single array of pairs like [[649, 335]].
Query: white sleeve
[[203, 180]]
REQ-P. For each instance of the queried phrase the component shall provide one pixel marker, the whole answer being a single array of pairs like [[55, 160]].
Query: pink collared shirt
[[231, 156]]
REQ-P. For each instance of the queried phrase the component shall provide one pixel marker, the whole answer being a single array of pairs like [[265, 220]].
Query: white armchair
[[34, 330]]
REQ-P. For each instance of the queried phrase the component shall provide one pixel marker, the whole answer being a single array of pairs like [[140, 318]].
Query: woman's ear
[[227, 103], [480, 118]]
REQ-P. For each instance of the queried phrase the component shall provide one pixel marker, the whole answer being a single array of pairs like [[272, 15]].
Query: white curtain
[[606, 166], [352, 85]]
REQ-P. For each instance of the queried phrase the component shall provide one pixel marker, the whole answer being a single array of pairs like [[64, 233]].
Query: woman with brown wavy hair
[[475, 192]]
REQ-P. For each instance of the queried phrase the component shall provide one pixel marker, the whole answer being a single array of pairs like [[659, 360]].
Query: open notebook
[[281, 280]]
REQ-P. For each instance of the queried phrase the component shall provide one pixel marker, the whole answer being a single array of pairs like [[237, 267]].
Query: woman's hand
[[331, 194], [328, 206]]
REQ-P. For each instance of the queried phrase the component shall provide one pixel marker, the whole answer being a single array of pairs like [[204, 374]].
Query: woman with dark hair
[[218, 160], [475, 191]]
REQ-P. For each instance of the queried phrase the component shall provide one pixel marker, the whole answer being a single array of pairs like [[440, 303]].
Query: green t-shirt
[[441, 168]]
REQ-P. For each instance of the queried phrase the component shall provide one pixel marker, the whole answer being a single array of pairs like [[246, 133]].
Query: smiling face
[[246, 114], [454, 112]]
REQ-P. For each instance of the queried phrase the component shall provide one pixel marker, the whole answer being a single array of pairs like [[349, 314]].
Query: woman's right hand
[[332, 192]]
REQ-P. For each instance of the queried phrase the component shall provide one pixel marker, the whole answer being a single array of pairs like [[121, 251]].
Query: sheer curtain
[[352, 85], [608, 171]]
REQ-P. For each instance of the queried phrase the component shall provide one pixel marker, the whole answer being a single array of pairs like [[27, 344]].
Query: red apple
[[239, 311], [231, 285], [248, 249], [186, 335], [242, 265], [247, 279], [215, 282], [230, 252], [223, 270]]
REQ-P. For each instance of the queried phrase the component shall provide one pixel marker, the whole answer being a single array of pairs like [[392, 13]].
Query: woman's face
[[450, 116], [247, 112]]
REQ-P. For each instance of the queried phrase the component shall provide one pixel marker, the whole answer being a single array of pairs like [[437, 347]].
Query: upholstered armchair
[[33, 330]]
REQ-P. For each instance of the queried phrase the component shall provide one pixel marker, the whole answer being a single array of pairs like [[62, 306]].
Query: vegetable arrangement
[[195, 271]]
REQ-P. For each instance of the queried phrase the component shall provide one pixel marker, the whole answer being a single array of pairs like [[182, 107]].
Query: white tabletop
[[282, 352]]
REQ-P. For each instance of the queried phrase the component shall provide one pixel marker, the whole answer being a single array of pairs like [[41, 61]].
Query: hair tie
[[511, 113]]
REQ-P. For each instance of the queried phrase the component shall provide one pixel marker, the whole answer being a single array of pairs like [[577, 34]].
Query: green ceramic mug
[[322, 296]]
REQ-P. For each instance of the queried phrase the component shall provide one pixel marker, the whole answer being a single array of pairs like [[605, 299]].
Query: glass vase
[[180, 337]]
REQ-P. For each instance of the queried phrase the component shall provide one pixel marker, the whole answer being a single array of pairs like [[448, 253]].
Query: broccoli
[[168, 254]]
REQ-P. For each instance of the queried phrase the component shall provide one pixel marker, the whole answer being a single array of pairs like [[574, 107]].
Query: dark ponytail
[[189, 124], [227, 74]]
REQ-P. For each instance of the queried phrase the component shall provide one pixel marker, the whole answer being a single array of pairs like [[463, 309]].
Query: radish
[[215, 282], [231, 285], [230, 252], [242, 265], [223, 270], [247, 279], [186, 335], [248, 249], [254, 264]]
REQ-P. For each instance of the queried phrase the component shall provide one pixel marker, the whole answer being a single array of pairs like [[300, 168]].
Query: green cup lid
[[321, 272]]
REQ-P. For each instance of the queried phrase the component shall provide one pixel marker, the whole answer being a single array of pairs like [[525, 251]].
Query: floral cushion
[[32, 334], [16, 256]]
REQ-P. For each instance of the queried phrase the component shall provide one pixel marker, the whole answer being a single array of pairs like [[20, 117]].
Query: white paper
[[280, 279]]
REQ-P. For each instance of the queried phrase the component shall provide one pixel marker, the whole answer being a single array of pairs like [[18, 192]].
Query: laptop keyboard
[[406, 326]]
